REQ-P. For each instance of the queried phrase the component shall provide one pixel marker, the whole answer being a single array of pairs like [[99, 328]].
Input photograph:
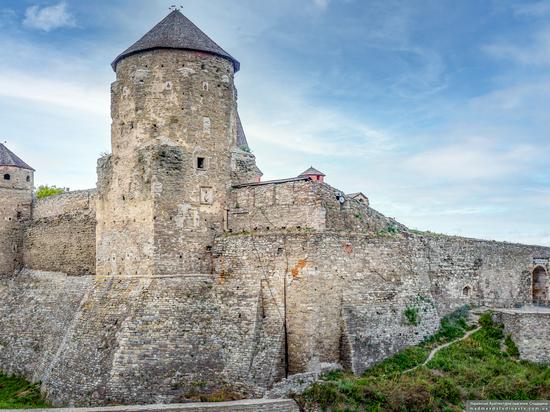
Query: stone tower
[[16, 184], [176, 151]]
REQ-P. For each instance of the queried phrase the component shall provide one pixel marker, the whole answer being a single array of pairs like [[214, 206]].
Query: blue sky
[[437, 110]]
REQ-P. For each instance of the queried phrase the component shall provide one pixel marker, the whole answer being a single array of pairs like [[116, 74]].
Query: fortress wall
[[65, 203], [61, 236], [530, 330], [96, 340], [153, 340], [289, 205], [103, 340], [352, 215], [301, 204], [346, 294], [14, 215], [36, 314], [498, 273]]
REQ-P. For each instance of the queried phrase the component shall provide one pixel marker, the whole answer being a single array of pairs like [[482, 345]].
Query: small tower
[[314, 174], [16, 185], [162, 193]]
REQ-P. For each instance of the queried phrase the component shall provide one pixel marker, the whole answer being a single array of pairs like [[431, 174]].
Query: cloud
[[471, 159], [321, 4], [48, 18], [535, 52], [55, 92], [536, 9]]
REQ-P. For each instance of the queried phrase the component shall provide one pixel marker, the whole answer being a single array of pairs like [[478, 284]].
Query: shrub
[[486, 320], [511, 347], [45, 191], [17, 393], [412, 316]]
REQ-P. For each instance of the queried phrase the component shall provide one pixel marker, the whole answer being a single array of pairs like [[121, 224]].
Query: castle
[[183, 273]]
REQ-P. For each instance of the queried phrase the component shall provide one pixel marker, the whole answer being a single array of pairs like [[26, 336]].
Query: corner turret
[[16, 185]]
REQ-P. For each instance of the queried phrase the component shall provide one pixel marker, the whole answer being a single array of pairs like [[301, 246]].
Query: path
[[437, 349]]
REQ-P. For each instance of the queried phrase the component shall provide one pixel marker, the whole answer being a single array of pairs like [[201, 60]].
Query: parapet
[[301, 203], [80, 201]]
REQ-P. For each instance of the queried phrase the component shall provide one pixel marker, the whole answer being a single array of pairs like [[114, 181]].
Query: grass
[[17, 393], [476, 368]]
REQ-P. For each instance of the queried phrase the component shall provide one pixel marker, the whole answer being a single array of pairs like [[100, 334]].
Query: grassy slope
[[17, 393], [475, 368]]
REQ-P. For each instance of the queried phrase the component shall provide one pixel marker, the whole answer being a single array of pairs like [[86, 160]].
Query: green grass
[[17, 393], [476, 368]]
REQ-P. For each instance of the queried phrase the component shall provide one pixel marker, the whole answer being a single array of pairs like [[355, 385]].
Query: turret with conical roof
[[176, 32], [14, 172], [16, 184], [175, 134]]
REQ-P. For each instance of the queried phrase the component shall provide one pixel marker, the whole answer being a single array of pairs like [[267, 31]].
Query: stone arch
[[540, 283], [467, 291]]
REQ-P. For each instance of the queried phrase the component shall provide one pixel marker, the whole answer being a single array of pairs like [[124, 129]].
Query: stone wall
[[124, 340], [344, 296], [274, 304], [61, 236], [530, 330], [36, 317], [15, 212], [301, 204]]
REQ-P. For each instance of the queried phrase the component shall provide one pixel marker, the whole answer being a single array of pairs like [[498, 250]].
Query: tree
[[45, 191]]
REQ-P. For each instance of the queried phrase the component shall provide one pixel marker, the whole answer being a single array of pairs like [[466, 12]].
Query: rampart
[[530, 331], [61, 236], [276, 303], [300, 203]]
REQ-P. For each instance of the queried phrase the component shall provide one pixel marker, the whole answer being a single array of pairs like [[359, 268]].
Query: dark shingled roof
[[8, 158], [176, 31], [241, 137], [312, 171]]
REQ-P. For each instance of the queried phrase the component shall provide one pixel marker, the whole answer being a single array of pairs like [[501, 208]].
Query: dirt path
[[437, 349]]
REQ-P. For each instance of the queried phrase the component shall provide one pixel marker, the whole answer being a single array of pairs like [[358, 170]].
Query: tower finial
[[174, 7]]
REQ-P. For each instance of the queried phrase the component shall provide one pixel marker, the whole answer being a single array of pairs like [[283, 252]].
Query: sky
[[437, 110]]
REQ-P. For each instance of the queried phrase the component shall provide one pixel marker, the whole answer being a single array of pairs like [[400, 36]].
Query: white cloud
[[321, 4], [48, 18], [55, 92], [536, 9], [472, 159], [533, 53]]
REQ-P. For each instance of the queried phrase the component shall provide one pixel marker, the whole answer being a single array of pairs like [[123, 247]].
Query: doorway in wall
[[540, 284]]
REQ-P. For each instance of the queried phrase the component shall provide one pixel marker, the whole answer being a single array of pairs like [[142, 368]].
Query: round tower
[[163, 191], [16, 185]]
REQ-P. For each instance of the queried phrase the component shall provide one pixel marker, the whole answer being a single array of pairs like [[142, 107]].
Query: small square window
[[201, 163], [7, 177]]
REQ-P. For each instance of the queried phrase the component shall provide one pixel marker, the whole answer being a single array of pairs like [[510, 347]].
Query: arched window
[[540, 283], [7, 176], [28, 178], [466, 291]]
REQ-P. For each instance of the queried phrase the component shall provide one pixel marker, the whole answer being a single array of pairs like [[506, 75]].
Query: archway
[[540, 283]]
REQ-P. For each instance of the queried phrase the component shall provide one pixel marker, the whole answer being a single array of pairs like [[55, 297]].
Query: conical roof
[[176, 31], [241, 136], [8, 158], [312, 172]]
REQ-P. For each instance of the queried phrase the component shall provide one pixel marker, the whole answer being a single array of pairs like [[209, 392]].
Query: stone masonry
[[182, 275]]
